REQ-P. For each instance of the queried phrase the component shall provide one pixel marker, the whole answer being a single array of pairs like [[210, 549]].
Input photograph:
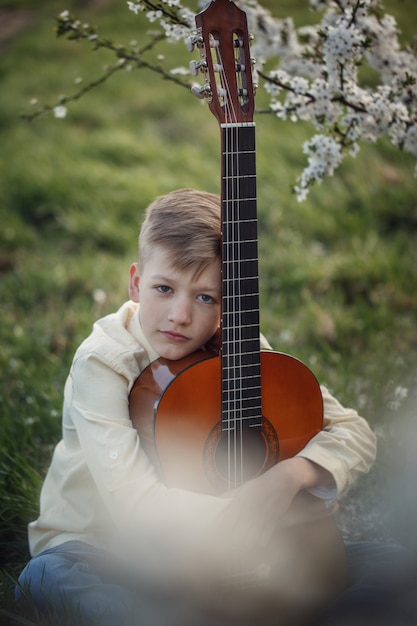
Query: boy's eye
[[163, 288], [205, 298]]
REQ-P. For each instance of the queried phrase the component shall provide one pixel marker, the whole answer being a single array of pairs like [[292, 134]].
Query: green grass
[[338, 284]]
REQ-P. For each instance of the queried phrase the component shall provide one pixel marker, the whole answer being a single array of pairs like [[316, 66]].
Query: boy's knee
[[33, 585], [45, 584]]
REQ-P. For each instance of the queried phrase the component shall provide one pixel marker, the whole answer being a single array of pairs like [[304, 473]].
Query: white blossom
[[60, 111], [314, 75], [400, 394], [324, 155], [135, 7], [154, 15], [183, 71], [99, 296]]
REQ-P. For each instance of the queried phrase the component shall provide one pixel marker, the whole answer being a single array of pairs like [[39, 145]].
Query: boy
[[102, 498]]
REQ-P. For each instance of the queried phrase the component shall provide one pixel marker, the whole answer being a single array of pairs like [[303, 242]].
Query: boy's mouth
[[174, 336]]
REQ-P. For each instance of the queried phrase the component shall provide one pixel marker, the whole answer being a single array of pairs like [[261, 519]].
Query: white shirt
[[101, 478]]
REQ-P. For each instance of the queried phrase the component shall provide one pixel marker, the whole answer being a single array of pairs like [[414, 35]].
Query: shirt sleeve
[[346, 446]]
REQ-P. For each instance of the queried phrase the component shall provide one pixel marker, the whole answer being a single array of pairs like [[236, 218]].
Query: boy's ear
[[134, 282]]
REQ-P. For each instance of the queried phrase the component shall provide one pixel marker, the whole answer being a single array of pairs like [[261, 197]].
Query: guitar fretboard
[[241, 384]]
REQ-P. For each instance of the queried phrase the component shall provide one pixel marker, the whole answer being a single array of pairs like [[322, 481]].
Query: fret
[[235, 201], [249, 395], [236, 286], [240, 408], [249, 370], [232, 263], [249, 311], [239, 232], [247, 303], [249, 398], [240, 342], [232, 287], [243, 407], [239, 168], [247, 355], [243, 300], [237, 252], [239, 211], [248, 315], [247, 420], [253, 421], [232, 364], [236, 373], [249, 339], [251, 318], [244, 332], [252, 382]]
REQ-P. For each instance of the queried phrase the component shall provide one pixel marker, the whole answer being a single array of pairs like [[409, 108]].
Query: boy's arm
[[346, 447], [333, 459], [125, 480]]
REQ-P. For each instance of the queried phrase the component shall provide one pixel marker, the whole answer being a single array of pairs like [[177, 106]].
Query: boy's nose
[[180, 312]]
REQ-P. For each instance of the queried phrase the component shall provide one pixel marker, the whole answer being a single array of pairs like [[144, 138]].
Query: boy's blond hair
[[186, 223]]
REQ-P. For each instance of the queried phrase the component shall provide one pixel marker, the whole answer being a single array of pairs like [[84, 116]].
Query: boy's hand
[[275, 500]]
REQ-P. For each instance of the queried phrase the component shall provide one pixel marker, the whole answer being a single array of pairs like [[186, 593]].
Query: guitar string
[[234, 338], [226, 402]]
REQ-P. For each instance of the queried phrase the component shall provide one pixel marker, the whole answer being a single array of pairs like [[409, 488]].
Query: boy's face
[[179, 311]]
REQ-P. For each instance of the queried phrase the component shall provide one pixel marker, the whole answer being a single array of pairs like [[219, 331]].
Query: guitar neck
[[240, 282]]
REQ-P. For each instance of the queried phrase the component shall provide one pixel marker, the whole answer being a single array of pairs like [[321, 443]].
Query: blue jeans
[[70, 584], [66, 585], [381, 589], [75, 584]]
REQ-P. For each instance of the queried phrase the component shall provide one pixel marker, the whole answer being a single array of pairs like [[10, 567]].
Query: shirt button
[[114, 455]]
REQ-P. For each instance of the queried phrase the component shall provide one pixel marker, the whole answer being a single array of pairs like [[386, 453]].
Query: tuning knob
[[192, 41], [201, 92], [195, 66]]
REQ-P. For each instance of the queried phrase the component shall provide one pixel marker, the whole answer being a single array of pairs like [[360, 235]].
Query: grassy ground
[[338, 287]]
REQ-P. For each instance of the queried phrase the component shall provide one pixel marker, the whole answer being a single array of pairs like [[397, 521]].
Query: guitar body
[[176, 406]]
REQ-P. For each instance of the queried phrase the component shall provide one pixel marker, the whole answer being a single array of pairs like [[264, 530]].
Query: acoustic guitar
[[218, 418]]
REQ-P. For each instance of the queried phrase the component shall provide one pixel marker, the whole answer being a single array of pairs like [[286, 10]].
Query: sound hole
[[233, 458]]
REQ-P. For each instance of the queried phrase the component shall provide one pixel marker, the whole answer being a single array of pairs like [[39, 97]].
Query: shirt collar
[[135, 329]]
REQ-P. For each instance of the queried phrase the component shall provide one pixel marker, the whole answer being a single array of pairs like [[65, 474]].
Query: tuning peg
[[192, 41], [197, 65], [201, 92]]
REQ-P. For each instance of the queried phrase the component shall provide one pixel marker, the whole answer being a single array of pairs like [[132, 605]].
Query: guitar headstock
[[225, 61]]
